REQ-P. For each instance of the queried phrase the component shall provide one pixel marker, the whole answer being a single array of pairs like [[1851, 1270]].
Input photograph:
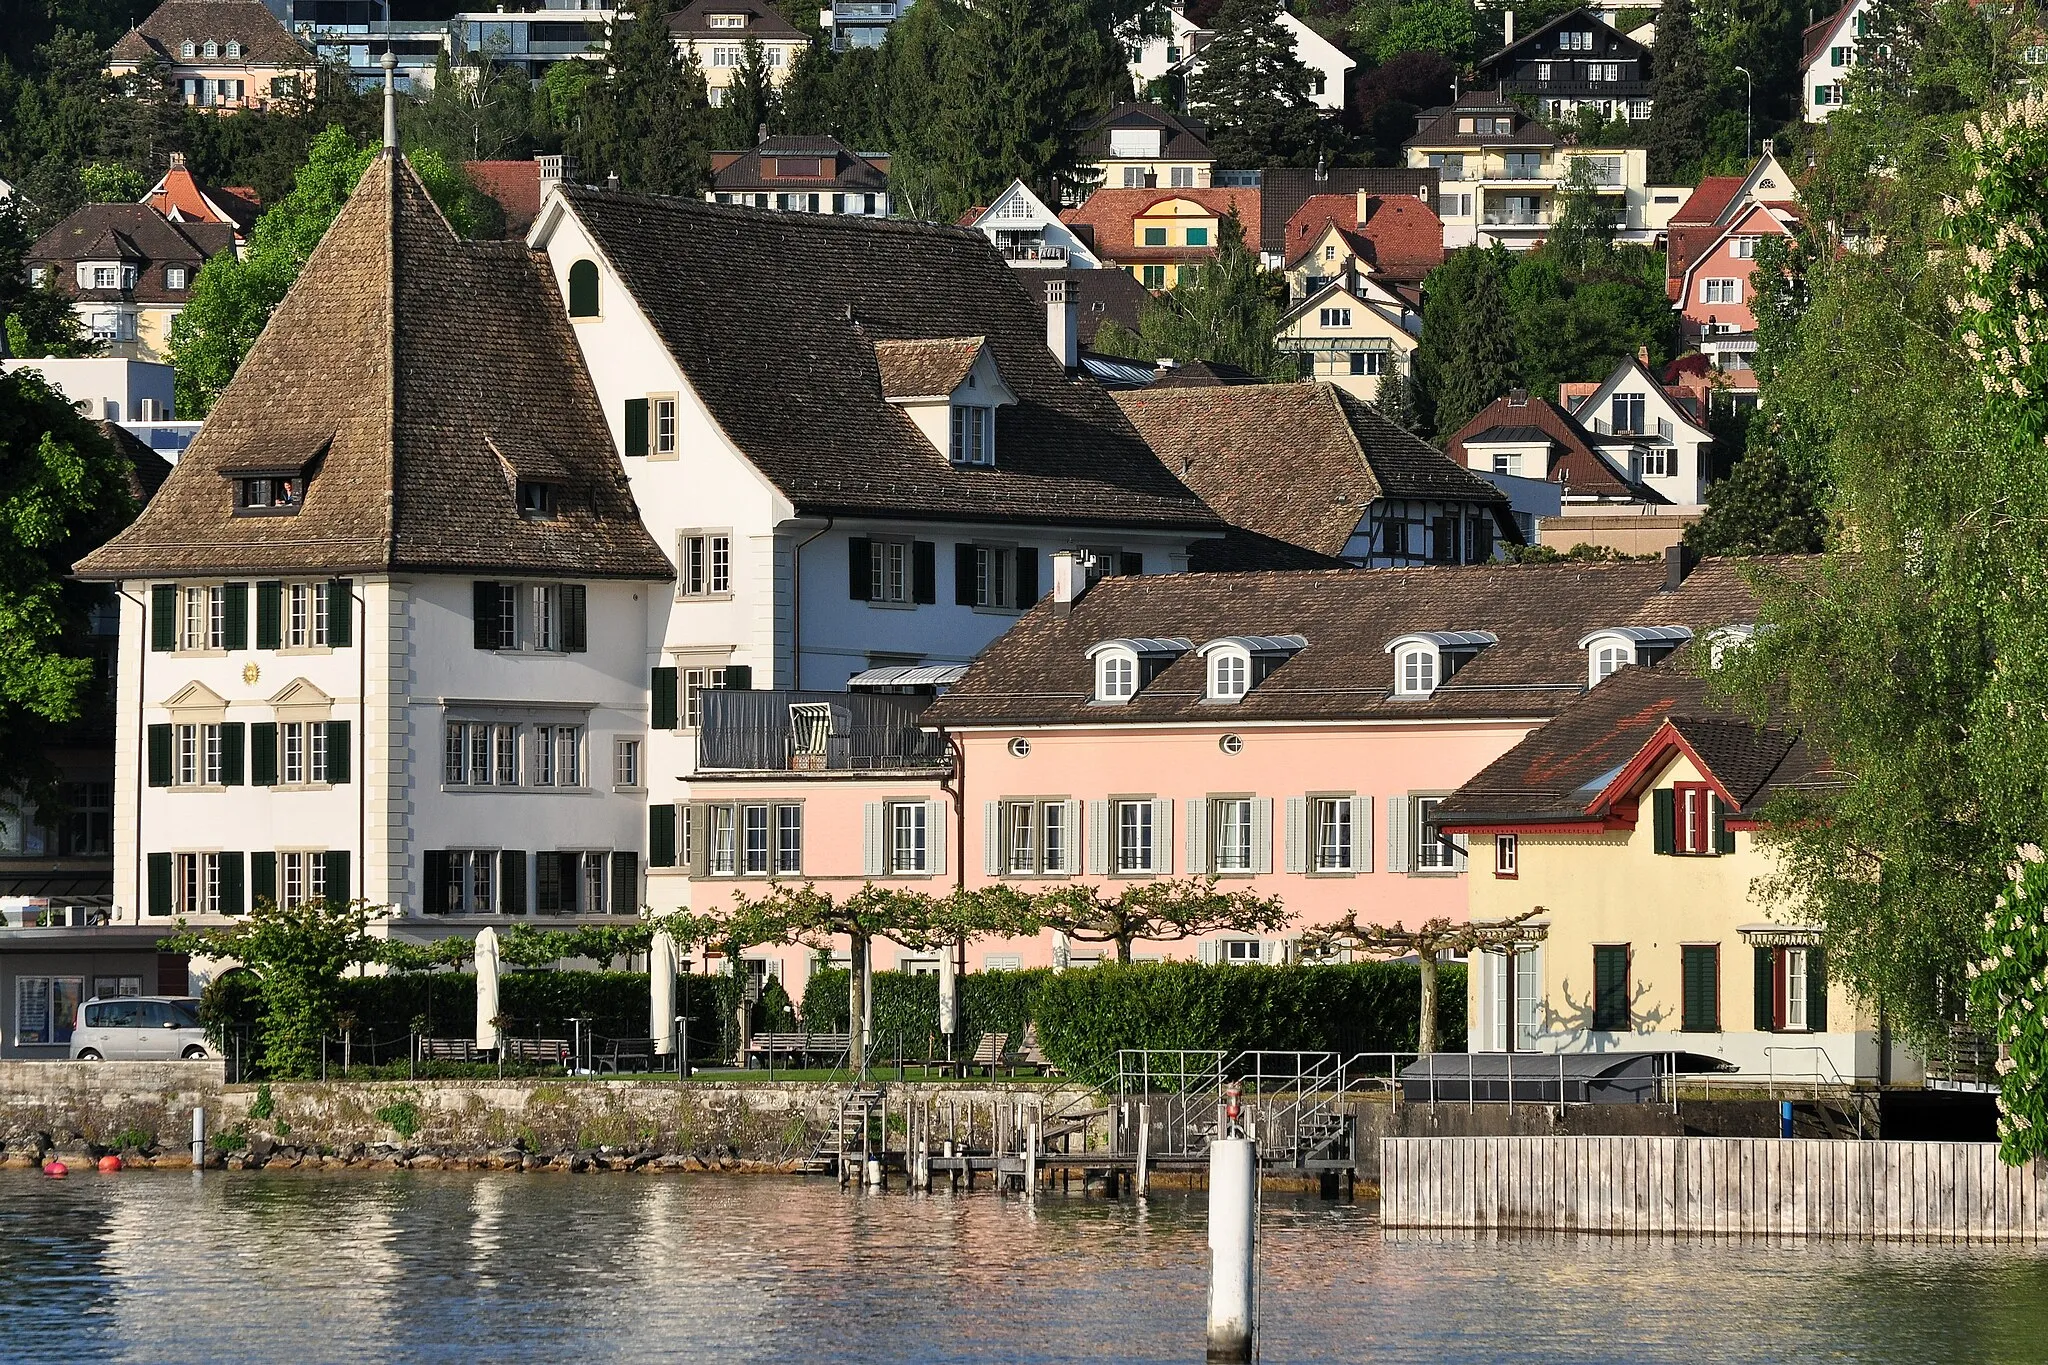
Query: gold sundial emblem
[[250, 673]]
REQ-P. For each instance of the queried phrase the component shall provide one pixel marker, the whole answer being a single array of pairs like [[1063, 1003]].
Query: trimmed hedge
[[1086, 1016]]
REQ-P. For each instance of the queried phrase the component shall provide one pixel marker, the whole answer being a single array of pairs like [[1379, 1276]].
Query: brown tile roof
[[516, 187], [925, 369], [1298, 463], [1203, 374], [413, 372], [840, 168], [265, 41], [147, 470], [1284, 189], [774, 317], [1560, 770], [1039, 673], [1185, 139], [1406, 235], [1102, 296], [1112, 214], [763, 21], [1443, 131], [136, 234], [1708, 200], [1575, 464]]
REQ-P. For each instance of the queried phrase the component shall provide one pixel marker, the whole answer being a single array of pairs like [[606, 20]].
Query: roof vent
[[1518, 398]]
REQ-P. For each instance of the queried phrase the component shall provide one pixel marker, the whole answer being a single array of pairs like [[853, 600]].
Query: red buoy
[[109, 1164], [56, 1170]]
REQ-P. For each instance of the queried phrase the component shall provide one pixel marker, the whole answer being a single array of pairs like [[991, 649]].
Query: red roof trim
[[1635, 775]]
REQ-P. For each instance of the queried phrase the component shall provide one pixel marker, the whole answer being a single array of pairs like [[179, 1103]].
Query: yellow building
[[717, 33], [1353, 333], [1629, 824], [1155, 234], [217, 54]]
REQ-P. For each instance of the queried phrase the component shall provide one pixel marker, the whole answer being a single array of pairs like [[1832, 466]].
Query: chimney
[[760, 133], [1643, 356], [1678, 562], [1508, 29], [177, 161], [1063, 322], [611, 181], [1518, 398], [1069, 581]]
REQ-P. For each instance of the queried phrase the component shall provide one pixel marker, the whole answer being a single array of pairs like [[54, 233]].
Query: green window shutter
[[860, 581], [1664, 820], [512, 881], [484, 603], [1816, 991], [567, 866], [1724, 837], [924, 572], [636, 426], [263, 754], [1702, 983], [963, 575], [159, 883], [661, 836], [547, 868], [1766, 990], [341, 613], [235, 615], [163, 617], [1610, 988], [1027, 576], [159, 755], [625, 883], [575, 618], [337, 751], [434, 891], [665, 698], [270, 615], [262, 878], [231, 746], [583, 289], [231, 895], [738, 678], [334, 872]]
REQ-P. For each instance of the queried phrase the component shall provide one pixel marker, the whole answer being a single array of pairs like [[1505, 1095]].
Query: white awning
[[910, 675]]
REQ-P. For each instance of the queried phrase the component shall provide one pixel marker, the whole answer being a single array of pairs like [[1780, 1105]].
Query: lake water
[[434, 1266]]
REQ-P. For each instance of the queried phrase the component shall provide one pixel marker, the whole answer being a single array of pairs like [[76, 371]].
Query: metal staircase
[[853, 1135]]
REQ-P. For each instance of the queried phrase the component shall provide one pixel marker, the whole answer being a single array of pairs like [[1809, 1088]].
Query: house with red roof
[[180, 197], [1398, 239], [517, 187], [1154, 233], [1710, 256]]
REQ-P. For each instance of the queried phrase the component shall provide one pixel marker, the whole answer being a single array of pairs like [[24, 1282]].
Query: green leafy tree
[[1227, 310], [1582, 238], [1388, 29], [648, 120], [1252, 91], [481, 110], [1429, 941], [106, 182], [1399, 404], [63, 492], [1682, 90], [1156, 912], [1482, 363], [300, 956], [233, 298]]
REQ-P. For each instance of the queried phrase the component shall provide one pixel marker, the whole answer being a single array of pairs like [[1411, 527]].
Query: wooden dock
[[1708, 1186]]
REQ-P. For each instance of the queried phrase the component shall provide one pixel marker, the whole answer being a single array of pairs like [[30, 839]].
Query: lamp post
[[1748, 104]]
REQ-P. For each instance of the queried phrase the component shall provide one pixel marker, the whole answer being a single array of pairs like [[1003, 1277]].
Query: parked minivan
[[140, 1028]]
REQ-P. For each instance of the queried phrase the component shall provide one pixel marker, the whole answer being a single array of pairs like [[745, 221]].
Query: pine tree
[[1252, 90], [1397, 402], [751, 103], [648, 120], [1483, 363], [1683, 110], [1223, 311]]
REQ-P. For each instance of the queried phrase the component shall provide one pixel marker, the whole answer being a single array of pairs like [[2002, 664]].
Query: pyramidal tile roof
[[414, 378]]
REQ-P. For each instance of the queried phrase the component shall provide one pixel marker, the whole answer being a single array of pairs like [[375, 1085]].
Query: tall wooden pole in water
[[1233, 1234]]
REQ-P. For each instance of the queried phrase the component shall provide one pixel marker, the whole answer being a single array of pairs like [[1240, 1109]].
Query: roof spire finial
[[390, 101]]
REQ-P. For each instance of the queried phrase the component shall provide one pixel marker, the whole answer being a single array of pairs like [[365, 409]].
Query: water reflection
[[445, 1266]]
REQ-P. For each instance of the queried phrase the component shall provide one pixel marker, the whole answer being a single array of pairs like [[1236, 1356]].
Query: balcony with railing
[[1043, 253], [799, 732]]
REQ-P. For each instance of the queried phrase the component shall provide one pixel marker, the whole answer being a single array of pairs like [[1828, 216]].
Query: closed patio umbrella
[[661, 982], [949, 992], [487, 989]]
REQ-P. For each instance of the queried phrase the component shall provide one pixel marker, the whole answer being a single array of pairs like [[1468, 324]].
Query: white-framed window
[[626, 763], [908, 846], [1182, 177], [1333, 317], [546, 617], [476, 753], [1135, 849], [176, 276], [197, 883], [1369, 363], [696, 682], [725, 21], [1332, 830], [664, 426], [508, 614], [1657, 461], [721, 853], [755, 852], [724, 56], [1230, 675], [1797, 983], [188, 49], [234, 49], [1230, 833], [1720, 291], [1416, 675], [204, 623], [1507, 464], [212, 49], [1433, 853], [185, 769], [1610, 659], [305, 624], [1506, 854], [568, 754], [889, 571], [1743, 248], [789, 838], [995, 577], [302, 877], [1116, 676], [1575, 40], [1242, 951], [1020, 838], [1035, 839], [974, 434], [705, 564]]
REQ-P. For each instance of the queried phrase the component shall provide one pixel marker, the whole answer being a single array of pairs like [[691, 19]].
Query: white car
[[140, 1028]]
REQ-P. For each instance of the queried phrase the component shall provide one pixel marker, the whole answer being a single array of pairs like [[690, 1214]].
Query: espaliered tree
[[1428, 940], [1157, 912]]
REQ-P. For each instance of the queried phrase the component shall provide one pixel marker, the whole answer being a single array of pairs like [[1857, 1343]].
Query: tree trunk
[[1426, 1034], [857, 1000], [1123, 948]]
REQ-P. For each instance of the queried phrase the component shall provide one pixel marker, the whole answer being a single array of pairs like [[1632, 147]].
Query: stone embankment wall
[[143, 1112]]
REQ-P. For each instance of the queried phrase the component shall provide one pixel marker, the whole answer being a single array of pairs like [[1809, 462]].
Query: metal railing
[[1032, 251], [815, 732]]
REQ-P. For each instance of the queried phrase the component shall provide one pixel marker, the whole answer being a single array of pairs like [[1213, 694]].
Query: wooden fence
[[1709, 1186]]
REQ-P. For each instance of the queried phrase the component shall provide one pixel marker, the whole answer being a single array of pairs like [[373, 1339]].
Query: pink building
[[1288, 732]]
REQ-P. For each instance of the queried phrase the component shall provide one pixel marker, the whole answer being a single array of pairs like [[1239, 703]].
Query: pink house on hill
[[1289, 732]]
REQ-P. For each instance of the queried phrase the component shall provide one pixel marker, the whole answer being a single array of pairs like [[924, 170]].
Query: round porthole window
[[1231, 744], [1019, 748]]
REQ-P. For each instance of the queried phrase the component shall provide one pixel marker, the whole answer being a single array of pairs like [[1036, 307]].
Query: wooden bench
[[447, 1050], [990, 1053], [554, 1051], [802, 1046], [626, 1054]]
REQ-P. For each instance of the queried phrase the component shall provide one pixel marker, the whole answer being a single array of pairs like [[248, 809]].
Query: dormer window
[[212, 48], [1428, 659], [725, 20], [536, 500], [234, 48], [268, 494], [1725, 640], [1610, 651], [1230, 675], [1239, 663], [1124, 668], [176, 277], [974, 433], [188, 49]]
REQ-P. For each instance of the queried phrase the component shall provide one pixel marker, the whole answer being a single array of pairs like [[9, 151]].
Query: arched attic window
[[583, 289], [1611, 650], [1124, 667], [1427, 659], [1239, 663]]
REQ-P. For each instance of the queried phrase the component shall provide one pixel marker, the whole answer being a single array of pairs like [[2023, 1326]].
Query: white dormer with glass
[[1611, 650], [1426, 660], [951, 388], [1124, 667], [1724, 641], [1239, 663]]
